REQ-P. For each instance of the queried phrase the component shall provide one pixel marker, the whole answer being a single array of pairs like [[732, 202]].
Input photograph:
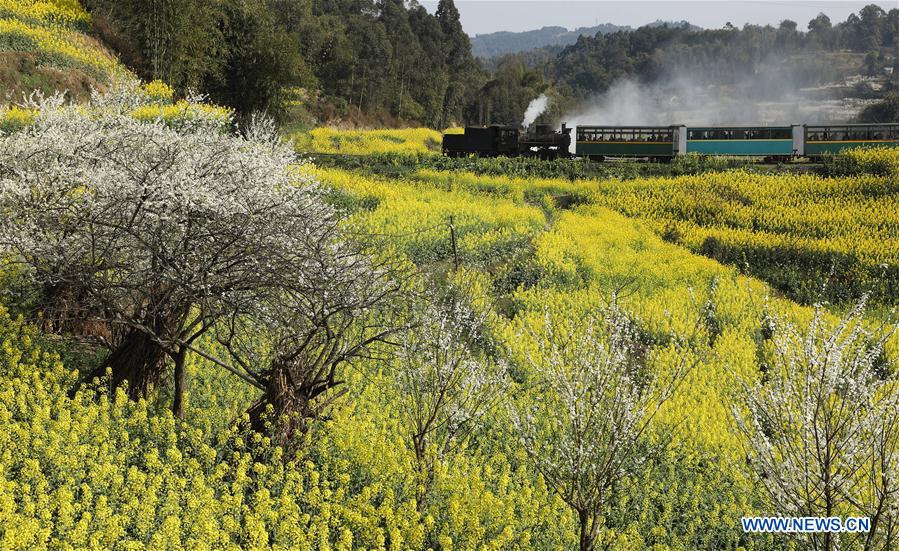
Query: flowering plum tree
[[585, 426], [445, 385], [822, 426], [341, 302]]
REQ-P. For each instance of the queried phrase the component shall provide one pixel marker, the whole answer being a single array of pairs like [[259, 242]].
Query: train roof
[[740, 127], [737, 126], [632, 127], [854, 125]]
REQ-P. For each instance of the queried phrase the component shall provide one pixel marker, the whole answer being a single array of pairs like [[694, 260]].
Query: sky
[[485, 16]]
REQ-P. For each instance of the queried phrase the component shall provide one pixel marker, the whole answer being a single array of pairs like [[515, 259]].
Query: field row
[[796, 231]]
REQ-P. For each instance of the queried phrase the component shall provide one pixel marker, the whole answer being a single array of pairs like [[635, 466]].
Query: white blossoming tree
[[822, 427], [445, 384], [585, 422], [160, 230]]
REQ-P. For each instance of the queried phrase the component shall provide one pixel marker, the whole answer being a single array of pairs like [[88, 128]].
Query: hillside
[[45, 45]]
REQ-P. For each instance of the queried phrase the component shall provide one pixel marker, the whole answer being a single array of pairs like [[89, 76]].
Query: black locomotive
[[539, 140]]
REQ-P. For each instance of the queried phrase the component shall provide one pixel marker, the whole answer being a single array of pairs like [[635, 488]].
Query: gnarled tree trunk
[[178, 400], [292, 387], [291, 408], [139, 359]]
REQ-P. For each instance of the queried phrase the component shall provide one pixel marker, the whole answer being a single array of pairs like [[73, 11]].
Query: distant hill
[[506, 42]]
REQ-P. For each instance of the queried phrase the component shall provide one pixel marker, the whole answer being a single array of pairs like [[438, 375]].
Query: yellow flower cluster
[[792, 230], [15, 118], [368, 142], [61, 13], [159, 92], [181, 110], [879, 160], [485, 231]]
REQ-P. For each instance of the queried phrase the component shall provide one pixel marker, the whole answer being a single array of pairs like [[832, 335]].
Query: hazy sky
[[484, 16]]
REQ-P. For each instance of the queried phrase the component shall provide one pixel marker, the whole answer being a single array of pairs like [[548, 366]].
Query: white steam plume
[[537, 106]]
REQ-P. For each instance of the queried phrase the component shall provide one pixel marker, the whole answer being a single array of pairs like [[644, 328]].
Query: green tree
[[262, 60], [430, 85], [180, 42], [406, 58], [464, 72], [504, 98]]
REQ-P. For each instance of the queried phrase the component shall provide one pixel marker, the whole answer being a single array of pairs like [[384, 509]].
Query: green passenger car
[[763, 141], [599, 142], [822, 140]]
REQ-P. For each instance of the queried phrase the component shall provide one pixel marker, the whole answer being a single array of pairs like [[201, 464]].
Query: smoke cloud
[[535, 108]]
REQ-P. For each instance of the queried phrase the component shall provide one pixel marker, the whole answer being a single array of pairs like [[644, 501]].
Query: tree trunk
[[588, 527], [139, 360], [291, 408], [425, 469], [178, 401]]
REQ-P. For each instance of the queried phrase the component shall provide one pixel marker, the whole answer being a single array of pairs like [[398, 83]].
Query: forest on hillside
[[390, 62]]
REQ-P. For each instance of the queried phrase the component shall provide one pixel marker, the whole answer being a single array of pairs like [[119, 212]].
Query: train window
[[781, 134]]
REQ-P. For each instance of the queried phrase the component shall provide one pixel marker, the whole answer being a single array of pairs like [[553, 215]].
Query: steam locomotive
[[539, 140], [667, 142]]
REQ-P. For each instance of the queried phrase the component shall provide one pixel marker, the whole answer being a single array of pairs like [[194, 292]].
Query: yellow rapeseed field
[[367, 142]]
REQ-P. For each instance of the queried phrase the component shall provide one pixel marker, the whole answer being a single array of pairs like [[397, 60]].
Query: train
[[663, 143]]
